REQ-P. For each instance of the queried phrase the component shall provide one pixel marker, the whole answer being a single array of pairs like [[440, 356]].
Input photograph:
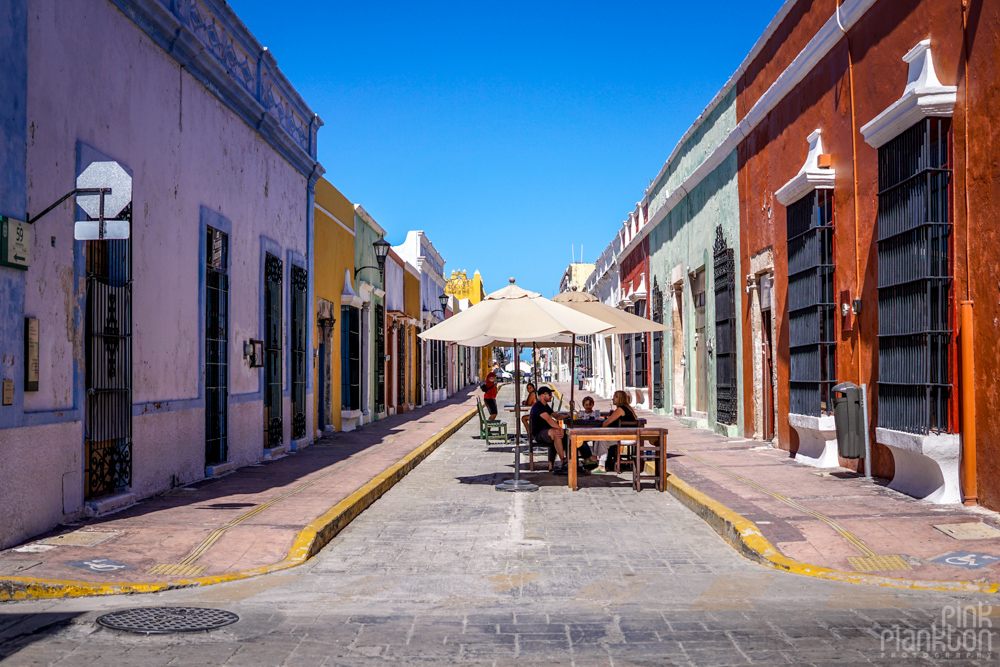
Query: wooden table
[[578, 436]]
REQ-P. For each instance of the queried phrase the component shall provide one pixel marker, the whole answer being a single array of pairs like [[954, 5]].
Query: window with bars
[[350, 358], [273, 270], [914, 279], [640, 373], [216, 347], [812, 305], [299, 287], [627, 340], [400, 365], [379, 358], [657, 315]]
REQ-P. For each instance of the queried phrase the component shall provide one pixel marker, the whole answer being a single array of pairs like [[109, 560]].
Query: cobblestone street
[[444, 569]]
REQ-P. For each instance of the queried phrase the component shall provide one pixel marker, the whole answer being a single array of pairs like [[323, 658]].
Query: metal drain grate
[[166, 620]]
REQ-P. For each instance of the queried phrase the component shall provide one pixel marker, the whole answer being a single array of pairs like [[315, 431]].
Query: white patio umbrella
[[622, 323], [511, 316]]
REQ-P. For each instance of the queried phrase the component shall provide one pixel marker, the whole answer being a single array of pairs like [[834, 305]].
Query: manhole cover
[[165, 620]]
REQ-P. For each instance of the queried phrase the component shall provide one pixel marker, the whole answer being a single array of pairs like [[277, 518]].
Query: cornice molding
[[808, 58], [810, 177], [212, 44], [923, 97]]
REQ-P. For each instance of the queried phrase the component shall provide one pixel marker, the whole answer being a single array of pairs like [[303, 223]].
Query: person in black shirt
[[546, 429]]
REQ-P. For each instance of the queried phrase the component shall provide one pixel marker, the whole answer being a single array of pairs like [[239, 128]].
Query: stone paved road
[[445, 570]]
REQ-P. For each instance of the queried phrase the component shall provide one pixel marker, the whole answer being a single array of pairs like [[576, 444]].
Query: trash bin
[[849, 420]]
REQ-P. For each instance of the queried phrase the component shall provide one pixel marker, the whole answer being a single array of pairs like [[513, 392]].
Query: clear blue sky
[[509, 131]]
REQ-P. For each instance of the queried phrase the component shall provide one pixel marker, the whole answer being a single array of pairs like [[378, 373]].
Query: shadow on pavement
[[19, 630]]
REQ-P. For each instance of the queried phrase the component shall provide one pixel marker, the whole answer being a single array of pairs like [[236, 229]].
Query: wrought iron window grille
[[812, 304], [299, 289], [216, 348], [915, 300], [350, 358], [726, 400], [108, 365], [273, 274]]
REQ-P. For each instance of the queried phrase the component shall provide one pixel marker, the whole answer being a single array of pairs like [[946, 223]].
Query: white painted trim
[[810, 177], [412, 269], [364, 215], [348, 297], [818, 47], [754, 52], [923, 97], [335, 219]]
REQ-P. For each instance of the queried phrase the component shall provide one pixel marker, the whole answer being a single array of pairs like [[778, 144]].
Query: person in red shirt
[[490, 394]]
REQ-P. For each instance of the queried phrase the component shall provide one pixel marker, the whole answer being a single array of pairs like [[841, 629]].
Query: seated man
[[546, 429]]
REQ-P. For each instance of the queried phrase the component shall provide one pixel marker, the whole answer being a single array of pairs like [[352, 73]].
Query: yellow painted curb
[[746, 538], [310, 540]]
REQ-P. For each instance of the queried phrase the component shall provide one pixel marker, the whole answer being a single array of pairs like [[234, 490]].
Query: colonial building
[[866, 170], [333, 257], [433, 356], [136, 364]]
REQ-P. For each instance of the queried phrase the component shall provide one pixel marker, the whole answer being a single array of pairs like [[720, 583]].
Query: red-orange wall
[[776, 150]]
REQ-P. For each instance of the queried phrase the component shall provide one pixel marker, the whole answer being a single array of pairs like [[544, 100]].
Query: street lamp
[[443, 300], [381, 252]]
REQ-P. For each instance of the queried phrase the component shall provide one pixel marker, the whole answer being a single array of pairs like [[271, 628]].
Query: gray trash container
[[849, 420]]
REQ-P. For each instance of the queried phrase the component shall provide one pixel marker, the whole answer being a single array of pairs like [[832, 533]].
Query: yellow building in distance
[[334, 265], [462, 287]]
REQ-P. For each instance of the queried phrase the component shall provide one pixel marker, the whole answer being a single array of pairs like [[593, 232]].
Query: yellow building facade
[[461, 286], [334, 258]]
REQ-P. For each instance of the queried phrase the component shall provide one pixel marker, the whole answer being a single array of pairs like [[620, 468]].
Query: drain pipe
[[970, 491], [868, 444]]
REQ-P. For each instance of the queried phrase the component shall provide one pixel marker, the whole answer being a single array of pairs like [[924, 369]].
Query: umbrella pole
[[534, 366], [517, 484]]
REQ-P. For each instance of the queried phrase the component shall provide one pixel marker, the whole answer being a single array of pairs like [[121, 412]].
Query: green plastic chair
[[490, 429]]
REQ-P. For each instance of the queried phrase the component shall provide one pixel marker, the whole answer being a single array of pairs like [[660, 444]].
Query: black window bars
[[299, 288], [812, 304], [216, 347], [914, 279], [273, 270]]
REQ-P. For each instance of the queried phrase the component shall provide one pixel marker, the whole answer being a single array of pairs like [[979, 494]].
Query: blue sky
[[510, 132]]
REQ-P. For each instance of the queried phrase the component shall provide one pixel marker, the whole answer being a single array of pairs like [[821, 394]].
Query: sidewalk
[[830, 518], [263, 517]]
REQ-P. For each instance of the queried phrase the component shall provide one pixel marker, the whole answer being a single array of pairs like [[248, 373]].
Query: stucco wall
[[333, 254], [131, 102], [686, 237], [776, 149]]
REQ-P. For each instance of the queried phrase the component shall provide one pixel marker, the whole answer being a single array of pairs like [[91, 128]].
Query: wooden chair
[[650, 446], [626, 450], [490, 429], [531, 450]]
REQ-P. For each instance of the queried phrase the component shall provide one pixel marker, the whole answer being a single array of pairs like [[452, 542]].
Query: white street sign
[[105, 175], [16, 243], [88, 230]]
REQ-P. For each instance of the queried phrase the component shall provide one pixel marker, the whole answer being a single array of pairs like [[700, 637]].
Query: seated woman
[[622, 413], [530, 400]]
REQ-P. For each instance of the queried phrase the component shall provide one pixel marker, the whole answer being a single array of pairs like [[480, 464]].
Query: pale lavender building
[[142, 382]]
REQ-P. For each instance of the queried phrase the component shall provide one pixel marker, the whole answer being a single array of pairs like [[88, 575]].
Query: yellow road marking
[[871, 559], [307, 543], [186, 566]]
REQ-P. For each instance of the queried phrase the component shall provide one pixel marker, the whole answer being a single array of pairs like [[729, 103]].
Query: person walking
[[490, 394]]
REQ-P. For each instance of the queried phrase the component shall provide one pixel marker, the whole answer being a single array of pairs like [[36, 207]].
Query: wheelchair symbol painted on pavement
[[100, 565], [966, 559]]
